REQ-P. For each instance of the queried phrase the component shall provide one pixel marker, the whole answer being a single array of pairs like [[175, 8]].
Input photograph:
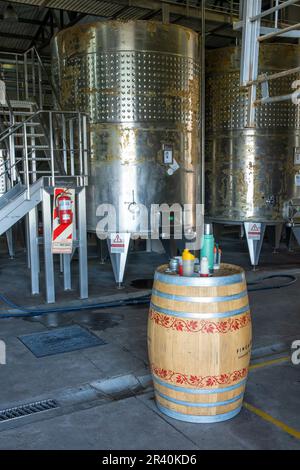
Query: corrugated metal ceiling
[[11, 44], [93, 7], [36, 10], [24, 11], [19, 28], [133, 13]]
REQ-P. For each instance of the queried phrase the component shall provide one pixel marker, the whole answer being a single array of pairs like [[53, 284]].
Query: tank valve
[[134, 209], [271, 201]]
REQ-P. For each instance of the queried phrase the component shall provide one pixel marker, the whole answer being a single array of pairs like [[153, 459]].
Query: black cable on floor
[[24, 312], [292, 279], [35, 313]]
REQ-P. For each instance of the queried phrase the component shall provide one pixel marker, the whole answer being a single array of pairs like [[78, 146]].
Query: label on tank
[[117, 244], [168, 154], [254, 231]]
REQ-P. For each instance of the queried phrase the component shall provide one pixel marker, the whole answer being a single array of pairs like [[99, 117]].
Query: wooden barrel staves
[[199, 343]]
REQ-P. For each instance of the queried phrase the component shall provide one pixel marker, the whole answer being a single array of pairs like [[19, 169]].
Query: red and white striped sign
[[63, 217]]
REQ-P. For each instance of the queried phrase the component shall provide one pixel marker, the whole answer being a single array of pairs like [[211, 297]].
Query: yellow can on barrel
[[199, 343]]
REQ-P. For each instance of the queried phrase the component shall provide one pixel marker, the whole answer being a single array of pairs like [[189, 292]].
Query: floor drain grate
[[29, 409]]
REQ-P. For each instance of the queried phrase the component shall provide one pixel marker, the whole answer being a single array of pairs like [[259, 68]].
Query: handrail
[[12, 54], [80, 148], [72, 143], [15, 127], [33, 68], [10, 166], [273, 9], [53, 88]]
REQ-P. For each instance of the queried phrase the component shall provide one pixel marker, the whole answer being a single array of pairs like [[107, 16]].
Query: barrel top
[[227, 274]]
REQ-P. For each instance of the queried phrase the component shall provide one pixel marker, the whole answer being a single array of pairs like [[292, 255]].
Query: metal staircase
[[40, 149], [28, 76], [15, 204]]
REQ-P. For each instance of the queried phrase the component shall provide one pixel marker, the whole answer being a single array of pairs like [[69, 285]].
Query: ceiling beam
[[79, 17], [151, 14], [75, 18], [41, 29], [179, 18], [217, 31], [26, 21]]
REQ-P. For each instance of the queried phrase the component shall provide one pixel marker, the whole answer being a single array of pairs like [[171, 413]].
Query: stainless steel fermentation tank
[[251, 172], [140, 83]]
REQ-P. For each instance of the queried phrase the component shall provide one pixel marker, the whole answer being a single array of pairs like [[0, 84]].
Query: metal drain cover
[[28, 409], [60, 340]]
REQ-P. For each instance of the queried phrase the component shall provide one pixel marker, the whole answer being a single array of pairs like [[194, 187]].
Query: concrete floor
[[105, 394]]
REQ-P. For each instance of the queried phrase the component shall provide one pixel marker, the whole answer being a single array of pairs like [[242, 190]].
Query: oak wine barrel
[[199, 343]]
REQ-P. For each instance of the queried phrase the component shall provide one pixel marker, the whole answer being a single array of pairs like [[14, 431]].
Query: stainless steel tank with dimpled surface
[[140, 83], [250, 172]]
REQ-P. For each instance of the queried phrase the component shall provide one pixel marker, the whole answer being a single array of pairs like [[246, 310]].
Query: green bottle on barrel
[[208, 244]]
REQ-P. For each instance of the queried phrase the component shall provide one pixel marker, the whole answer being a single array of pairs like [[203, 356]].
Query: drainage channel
[[28, 409], [95, 394], [69, 401]]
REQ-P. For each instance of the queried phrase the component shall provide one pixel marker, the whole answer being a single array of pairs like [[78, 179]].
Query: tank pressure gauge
[[168, 154]]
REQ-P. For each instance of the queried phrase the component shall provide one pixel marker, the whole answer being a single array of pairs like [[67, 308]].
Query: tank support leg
[[218, 231], [278, 233], [48, 256], [274, 233], [157, 246], [61, 266], [27, 237], [255, 236], [171, 247], [296, 233], [101, 250], [118, 249], [242, 231], [82, 248], [34, 251], [10, 243], [66, 261]]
